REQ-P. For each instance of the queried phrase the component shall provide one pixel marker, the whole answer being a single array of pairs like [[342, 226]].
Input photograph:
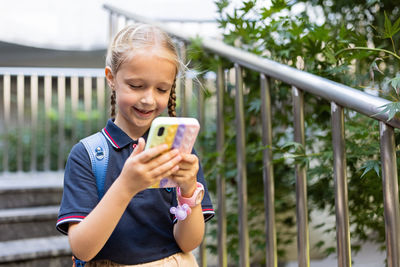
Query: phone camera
[[160, 131]]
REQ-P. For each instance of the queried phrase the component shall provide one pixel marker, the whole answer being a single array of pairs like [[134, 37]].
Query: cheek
[[163, 102], [125, 99]]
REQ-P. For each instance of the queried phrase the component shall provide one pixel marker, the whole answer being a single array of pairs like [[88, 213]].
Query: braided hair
[[113, 97], [172, 101]]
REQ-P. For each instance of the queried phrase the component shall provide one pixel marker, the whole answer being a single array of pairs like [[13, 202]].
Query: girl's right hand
[[144, 168]]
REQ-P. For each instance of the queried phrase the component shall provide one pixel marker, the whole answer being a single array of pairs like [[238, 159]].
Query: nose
[[148, 97]]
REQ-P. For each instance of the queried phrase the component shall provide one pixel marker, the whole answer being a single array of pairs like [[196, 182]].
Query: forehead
[[153, 53], [149, 62]]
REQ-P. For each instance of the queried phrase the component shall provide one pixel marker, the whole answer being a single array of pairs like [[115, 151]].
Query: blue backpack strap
[[97, 148]]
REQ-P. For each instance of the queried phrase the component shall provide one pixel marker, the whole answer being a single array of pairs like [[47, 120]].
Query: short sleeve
[[80, 191]]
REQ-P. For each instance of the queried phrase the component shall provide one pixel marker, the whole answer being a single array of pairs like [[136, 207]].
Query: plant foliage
[[354, 43]]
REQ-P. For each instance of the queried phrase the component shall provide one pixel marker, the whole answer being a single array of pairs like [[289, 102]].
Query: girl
[[132, 225]]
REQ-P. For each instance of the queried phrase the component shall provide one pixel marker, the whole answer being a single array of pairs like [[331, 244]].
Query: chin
[[143, 122]]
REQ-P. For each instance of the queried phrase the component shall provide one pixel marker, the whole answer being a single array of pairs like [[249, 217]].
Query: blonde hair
[[139, 36]]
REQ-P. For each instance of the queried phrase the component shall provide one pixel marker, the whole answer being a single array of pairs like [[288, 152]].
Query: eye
[[162, 90], [135, 86]]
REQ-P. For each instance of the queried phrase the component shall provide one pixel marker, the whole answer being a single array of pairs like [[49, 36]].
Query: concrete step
[[29, 222], [37, 252], [20, 189]]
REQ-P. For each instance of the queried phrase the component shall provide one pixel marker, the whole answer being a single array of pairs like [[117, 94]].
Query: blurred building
[[16, 55]]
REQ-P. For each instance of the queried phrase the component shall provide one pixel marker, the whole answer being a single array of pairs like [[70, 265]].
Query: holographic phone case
[[176, 132]]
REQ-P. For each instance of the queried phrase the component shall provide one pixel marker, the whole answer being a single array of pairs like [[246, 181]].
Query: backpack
[[97, 149]]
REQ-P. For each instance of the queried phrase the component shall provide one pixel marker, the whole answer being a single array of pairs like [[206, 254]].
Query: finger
[[166, 169], [165, 173], [178, 175], [153, 152], [182, 173], [189, 163], [189, 158], [163, 158], [185, 166], [139, 147]]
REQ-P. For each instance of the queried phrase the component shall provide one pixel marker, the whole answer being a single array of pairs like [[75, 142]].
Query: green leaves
[[221, 5], [277, 6], [248, 5], [390, 30], [391, 109], [255, 106], [298, 148], [329, 54], [371, 165], [395, 83]]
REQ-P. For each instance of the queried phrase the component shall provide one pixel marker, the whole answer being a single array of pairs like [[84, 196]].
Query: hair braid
[[113, 97], [172, 101]]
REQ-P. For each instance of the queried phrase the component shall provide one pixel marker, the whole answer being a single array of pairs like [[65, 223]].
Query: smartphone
[[176, 132]]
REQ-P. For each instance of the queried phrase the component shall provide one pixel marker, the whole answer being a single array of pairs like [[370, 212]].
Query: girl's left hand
[[186, 176]]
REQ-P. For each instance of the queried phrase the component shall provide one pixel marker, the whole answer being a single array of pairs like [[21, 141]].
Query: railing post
[[7, 103], [268, 174], [201, 118], [47, 123], [301, 182], [100, 82], [87, 94], [125, 21], [34, 120], [61, 112], [241, 169], [110, 26], [222, 250], [390, 194], [74, 106], [341, 198], [20, 112], [182, 91]]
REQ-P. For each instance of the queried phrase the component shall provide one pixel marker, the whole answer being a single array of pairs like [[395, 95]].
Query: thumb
[[139, 147]]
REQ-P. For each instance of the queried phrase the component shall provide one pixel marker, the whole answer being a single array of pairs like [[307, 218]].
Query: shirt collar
[[117, 137]]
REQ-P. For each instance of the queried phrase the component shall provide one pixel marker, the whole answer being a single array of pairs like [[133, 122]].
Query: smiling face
[[142, 85]]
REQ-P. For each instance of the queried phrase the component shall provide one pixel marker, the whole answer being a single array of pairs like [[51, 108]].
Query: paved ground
[[369, 256]]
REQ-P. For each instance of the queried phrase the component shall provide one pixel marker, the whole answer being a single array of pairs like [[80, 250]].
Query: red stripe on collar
[[111, 139]]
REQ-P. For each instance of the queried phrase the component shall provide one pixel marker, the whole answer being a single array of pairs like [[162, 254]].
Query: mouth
[[143, 112]]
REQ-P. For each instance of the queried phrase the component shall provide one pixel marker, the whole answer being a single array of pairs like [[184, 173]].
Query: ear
[[109, 77]]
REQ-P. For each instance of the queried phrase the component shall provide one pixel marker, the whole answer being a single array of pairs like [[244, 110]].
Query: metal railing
[[40, 123], [340, 97]]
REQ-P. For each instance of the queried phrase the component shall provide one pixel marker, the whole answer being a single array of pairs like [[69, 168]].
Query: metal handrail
[[340, 96], [343, 95]]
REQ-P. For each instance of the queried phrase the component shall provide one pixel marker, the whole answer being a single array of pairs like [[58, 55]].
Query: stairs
[[29, 205]]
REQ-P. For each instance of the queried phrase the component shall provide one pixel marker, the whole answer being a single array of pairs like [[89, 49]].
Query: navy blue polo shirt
[[145, 230]]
